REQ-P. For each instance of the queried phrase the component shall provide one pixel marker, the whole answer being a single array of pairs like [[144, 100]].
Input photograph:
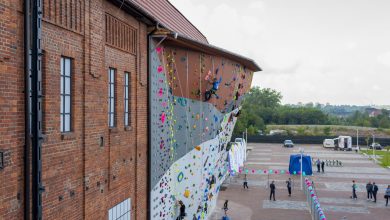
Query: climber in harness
[[213, 90]]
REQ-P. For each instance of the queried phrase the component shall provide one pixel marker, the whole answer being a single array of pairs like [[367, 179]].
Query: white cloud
[[306, 53], [384, 59]]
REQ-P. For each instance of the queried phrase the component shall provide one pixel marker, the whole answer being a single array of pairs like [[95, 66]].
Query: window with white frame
[[66, 94], [122, 211], [126, 99], [111, 97]]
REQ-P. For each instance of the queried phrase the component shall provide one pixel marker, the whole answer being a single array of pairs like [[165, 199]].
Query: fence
[[314, 204], [308, 139]]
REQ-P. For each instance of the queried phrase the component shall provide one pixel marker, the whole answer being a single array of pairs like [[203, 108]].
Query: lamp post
[[373, 146], [301, 151], [357, 140]]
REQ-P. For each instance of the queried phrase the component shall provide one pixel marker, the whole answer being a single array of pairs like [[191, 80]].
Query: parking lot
[[334, 187]]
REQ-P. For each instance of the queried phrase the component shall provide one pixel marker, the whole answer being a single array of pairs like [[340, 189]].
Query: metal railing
[[314, 204]]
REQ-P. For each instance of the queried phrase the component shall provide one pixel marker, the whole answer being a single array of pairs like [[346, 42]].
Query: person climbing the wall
[[213, 89], [273, 188], [245, 182], [182, 212]]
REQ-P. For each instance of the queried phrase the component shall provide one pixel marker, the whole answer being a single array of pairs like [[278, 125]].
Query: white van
[[328, 143], [344, 143]]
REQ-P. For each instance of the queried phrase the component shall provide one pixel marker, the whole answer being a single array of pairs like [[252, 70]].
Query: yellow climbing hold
[[198, 148], [187, 193]]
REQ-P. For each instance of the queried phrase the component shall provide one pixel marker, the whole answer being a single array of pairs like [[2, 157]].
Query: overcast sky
[[335, 51]]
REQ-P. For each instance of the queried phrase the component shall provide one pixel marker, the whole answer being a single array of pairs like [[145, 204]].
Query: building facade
[[80, 104], [94, 110]]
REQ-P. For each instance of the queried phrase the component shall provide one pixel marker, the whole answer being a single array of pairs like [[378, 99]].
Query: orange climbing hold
[[198, 148], [187, 193]]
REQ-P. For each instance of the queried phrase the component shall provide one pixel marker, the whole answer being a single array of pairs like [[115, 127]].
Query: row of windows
[[66, 96]]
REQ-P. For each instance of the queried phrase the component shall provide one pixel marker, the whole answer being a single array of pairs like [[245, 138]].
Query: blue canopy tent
[[295, 164]]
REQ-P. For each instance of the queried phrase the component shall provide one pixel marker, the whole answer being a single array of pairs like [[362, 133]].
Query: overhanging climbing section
[[194, 101]]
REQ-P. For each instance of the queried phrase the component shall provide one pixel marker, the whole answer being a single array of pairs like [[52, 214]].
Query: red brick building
[[88, 106]]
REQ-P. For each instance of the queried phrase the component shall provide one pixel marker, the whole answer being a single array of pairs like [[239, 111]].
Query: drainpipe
[[36, 109], [27, 142]]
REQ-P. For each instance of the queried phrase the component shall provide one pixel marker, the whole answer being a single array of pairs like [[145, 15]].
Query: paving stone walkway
[[333, 187]]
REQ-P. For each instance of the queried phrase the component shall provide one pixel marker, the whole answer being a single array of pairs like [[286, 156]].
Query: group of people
[[273, 189], [271, 186], [372, 191], [320, 165]]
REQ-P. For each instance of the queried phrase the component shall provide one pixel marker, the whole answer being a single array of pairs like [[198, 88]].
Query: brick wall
[[11, 109], [82, 179]]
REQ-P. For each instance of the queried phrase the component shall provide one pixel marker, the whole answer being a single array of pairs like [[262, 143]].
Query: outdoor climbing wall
[[189, 134]]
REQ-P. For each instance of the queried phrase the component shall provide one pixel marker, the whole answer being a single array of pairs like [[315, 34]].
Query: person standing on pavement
[[225, 206], [273, 188], [354, 196], [289, 184], [374, 190], [369, 191], [318, 162], [246, 182], [182, 212], [323, 166], [387, 195]]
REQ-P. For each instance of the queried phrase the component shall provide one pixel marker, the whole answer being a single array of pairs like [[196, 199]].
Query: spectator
[[246, 182], [323, 166], [374, 190], [289, 183], [318, 162], [387, 195], [273, 188], [225, 206], [182, 213], [369, 191], [354, 196]]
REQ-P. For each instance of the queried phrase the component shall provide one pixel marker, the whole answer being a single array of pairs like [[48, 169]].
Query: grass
[[384, 160]]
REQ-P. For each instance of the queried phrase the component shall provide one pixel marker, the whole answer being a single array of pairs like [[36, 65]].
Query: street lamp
[[357, 140], [301, 151], [373, 146]]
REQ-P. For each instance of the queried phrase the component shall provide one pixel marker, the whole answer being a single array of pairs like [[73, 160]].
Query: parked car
[[288, 143], [377, 146], [328, 143]]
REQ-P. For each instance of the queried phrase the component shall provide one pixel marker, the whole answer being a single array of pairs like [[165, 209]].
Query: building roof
[[210, 49], [151, 12], [170, 17]]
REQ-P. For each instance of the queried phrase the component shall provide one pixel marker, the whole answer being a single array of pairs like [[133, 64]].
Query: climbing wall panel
[[189, 132]]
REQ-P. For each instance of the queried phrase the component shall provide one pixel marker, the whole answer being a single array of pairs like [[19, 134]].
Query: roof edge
[[250, 63], [188, 20]]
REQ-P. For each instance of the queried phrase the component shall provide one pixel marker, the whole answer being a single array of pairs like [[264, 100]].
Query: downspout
[[148, 199], [27, 118], [36, 109]]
